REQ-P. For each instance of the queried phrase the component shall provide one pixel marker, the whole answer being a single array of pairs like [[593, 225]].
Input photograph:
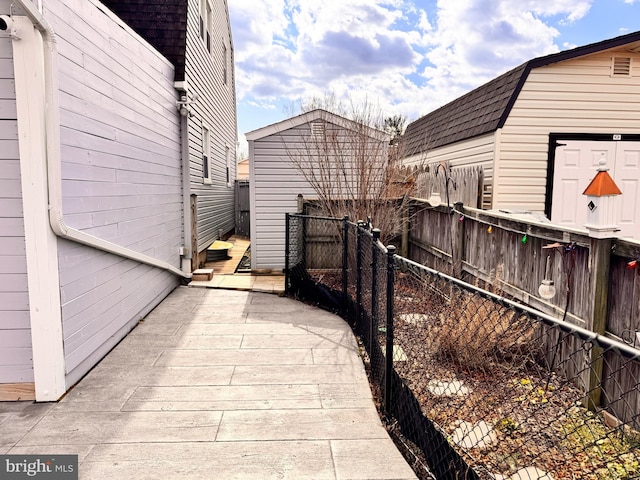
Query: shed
[[540, 129], [275, 182]]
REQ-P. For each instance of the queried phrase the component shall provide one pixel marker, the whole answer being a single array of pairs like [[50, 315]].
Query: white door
[[575, 166]]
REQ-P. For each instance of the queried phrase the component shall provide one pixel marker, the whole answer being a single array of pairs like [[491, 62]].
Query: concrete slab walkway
[[218, 384]]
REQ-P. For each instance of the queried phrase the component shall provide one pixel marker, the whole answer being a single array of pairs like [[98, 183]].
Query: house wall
[[478, 151], [121, 174], [215, 108], [15, 334], [574, 96]]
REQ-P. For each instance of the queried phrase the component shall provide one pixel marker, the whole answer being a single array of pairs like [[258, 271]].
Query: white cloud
[[393, 52]]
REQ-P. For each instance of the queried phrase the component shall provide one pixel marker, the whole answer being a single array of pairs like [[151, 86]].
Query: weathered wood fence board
[[508, 254]]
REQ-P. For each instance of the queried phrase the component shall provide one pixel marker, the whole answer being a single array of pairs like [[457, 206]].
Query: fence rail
[[473, 385]]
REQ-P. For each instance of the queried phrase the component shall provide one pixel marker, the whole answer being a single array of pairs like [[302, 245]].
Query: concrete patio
[[218, 384]]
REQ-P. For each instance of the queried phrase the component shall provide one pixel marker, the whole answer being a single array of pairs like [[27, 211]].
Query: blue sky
[[406, 56]]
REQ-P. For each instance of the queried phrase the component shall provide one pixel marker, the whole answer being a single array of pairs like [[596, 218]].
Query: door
[[575, 166]]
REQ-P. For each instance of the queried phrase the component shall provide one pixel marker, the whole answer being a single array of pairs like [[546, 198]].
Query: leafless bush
[[347, 159]]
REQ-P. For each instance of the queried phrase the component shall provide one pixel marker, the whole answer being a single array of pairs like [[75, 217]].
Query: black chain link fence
[[476, 386]]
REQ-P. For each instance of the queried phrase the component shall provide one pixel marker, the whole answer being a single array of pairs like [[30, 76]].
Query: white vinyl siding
[[478, 151], [574, 96], [121, 173], [275, 185], [215, 107], [275, 182], [15, 334]]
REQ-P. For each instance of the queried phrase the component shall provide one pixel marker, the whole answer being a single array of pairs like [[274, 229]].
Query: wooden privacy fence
[[597, 280], [465, 185]]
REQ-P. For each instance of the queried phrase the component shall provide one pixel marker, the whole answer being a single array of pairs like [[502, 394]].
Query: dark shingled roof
[[486, 108], [162, 23]]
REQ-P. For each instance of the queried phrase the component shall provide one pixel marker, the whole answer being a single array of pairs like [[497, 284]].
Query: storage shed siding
[[215, 107], [121, 174], [477, 151], [16, 364], [275, 185], [574, 96]]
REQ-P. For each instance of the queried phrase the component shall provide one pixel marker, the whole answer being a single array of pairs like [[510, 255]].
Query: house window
[[227, 152], [209, 26], [225, 63], [206, 155], [206, 22], [621, 67], [203, 18]]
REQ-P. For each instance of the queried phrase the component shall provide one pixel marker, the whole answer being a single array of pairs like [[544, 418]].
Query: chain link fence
[[473, 385]]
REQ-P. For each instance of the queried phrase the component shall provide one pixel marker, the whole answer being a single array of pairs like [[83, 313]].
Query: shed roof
[[313, 115], [487, 108], [162, 23]]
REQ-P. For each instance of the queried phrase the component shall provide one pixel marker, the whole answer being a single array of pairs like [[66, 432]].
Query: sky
[[405, 57]]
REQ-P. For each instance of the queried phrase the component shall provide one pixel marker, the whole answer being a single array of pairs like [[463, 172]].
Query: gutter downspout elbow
[[53, 163]]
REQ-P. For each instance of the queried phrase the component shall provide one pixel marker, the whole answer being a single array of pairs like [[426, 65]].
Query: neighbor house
[[94, 205], [314, 141], [539, 129], [195, 35]]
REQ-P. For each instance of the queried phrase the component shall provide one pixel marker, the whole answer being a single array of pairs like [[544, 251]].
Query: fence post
[[287, 248], [600, 262], [457, 241], [345, 263], [406, 211], [391, 250], [373, 324], [359, 273]]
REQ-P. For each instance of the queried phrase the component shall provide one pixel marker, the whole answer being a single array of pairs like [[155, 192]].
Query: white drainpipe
[[54, 166]]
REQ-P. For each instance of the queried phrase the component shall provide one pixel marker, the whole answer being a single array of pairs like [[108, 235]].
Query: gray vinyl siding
[[272, 168], [276, 180], [215, 108], [121, 174], [16, 364]]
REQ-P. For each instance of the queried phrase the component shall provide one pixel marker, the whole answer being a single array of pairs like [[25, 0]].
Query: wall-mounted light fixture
[[184, 105]]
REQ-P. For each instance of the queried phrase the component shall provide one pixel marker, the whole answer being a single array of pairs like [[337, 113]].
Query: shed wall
[[478, 151], [275, 185], [16, 364], [574, 96], [215, 108], [121, 174]]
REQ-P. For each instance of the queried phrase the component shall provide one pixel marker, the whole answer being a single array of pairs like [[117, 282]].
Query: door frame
[[556, 138]]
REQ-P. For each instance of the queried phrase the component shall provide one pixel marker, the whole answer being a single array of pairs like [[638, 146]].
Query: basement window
[[621, 67]]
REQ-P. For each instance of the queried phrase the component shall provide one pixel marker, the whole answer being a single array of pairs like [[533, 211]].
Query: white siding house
[[195, 35], [101, 167], [15, 336], [526, 127], [276, 182]]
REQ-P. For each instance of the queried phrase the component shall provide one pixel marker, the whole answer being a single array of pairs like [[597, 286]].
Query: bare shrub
[[349, 158], [476, 332]]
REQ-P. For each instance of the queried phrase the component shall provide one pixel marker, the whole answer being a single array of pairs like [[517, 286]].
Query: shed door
[[576, 165]]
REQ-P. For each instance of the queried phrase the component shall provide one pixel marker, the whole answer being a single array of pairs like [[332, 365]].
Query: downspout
[[186, 194], [54, 167]]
